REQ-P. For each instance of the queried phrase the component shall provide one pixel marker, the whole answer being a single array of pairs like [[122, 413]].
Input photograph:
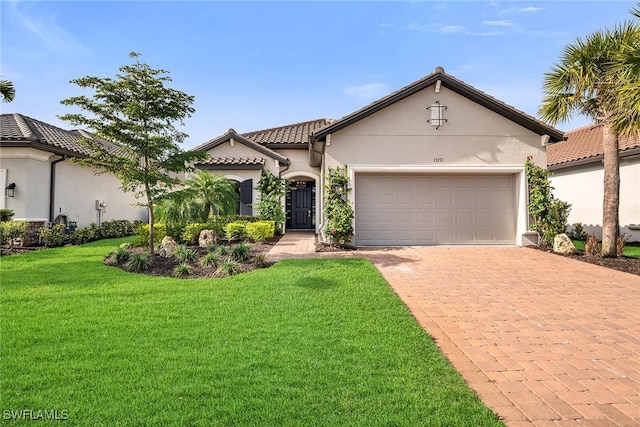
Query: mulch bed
[[164, 266], [628, 265]]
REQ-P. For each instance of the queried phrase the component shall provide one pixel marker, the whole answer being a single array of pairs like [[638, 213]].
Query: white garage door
[[434, 209]]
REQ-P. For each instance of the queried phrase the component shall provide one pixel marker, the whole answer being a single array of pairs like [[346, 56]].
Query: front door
[[302, 208]]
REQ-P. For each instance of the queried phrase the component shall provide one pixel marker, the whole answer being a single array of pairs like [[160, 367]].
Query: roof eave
[[42, 147]]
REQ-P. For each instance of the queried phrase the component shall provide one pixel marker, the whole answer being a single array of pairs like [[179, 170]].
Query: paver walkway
[[544, 340]]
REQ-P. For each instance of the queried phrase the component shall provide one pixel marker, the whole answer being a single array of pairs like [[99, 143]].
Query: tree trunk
[[611, 191], [151, 233]]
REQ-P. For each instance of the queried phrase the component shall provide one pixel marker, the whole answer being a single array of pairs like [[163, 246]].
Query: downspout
[[52, 188]]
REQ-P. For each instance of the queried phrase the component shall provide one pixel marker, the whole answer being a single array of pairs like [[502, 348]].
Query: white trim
[[520, 185], [3, 183], [307, 174], [234, 178]]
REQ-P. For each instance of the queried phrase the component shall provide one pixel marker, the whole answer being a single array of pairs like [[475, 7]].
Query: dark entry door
[[302, 208]]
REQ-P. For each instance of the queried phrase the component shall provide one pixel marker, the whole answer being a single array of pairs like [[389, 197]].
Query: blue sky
[[254, 65]]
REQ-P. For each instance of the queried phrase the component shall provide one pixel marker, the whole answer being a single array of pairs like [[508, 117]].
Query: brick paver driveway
[[544, 340]]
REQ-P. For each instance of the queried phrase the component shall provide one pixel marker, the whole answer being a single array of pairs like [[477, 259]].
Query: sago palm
[[587, 80]]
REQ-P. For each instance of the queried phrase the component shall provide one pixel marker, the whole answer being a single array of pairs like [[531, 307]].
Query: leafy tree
[[204, 196], [7, 90], [587, 80], [134, 114]]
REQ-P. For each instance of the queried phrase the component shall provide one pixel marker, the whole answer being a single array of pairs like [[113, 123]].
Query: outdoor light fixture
[[10, 190], [437, 114]]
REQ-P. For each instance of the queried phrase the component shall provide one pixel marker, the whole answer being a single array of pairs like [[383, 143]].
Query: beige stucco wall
[[401, 135], [474, 140], [77, 189], [582, 186]]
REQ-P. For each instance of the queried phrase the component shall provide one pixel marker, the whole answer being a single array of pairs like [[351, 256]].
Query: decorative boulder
[[562, 244], [207, 238], [168, 247]]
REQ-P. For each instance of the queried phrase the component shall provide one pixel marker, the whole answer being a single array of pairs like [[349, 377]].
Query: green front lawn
[[305, 342], [628, 251]]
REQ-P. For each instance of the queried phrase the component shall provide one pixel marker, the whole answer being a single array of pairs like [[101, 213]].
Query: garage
[[420, 209]]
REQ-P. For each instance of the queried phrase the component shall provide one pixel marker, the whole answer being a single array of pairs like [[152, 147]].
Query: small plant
[[54, 236], [241, 252], [6, 214], [211, 259], [122, 255], [185, 254], [260, 259], [577, 232], [621, 240], [139, 262], [228, 268], [221, 250], [12, 230], [591, 246], [182, 270]]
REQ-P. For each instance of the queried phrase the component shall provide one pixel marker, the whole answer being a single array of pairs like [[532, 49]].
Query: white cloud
[[532, 9], [367, 92], [437, 28], [47, 29], [502, 23]]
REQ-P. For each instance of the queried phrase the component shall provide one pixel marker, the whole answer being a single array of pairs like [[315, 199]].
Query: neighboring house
[[436, 162], [34, 159], [578, 178]]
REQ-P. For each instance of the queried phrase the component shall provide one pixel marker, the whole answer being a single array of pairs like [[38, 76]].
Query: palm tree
[[626, 119], [204, 196], [586, 81], [217, 193], [7, 90]]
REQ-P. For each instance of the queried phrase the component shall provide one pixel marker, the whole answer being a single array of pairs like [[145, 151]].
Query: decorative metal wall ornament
[[437, 114]]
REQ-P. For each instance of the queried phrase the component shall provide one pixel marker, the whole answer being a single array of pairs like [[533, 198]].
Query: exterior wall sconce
[[437, 114], [10, 190]]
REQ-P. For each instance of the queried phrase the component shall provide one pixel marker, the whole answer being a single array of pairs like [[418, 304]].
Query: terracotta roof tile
[[582, 144], [231, 161], [297, 133]]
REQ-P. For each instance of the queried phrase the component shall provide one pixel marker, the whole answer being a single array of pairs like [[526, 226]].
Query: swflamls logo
[[35, 414]]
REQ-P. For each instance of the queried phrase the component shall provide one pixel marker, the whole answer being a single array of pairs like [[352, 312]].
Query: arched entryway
[[301, 202]]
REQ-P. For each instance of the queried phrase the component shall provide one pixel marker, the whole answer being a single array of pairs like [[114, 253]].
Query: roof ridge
[[287, 125], [587, 126], [24, 127]]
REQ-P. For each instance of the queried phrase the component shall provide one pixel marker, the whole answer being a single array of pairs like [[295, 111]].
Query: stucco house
[[578, 177], [45, 187], [436, 162]]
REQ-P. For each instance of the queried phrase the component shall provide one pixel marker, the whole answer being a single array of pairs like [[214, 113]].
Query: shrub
[[10, 230], [139, 262], [241, 252], [220, 250], [192, 232], [182, 270], [228, 268], [577, 232], [115, 228], [122, 255], [621, 240], [6, 214], [261, 230], [236, 230], [159, 229], [591, 246], [211, 259], [54, 236], [556, 220], [84, 235], [185, 254]]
